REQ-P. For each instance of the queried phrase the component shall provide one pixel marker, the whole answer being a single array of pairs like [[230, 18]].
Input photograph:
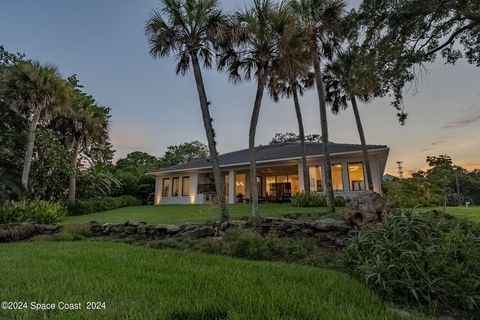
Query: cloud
[[469, 116], [433, 144]]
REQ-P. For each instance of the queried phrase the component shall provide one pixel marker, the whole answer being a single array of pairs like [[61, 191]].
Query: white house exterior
[[279, 174]]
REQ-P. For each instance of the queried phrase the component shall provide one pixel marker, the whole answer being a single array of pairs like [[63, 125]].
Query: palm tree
[[320, 21], [291, 79], [348, 78], [37, 92], [254, 51], [89, 123], [188, 29]]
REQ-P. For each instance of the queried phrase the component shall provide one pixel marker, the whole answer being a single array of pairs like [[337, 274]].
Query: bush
[[413, 192], [315, 199], [80, 207], [36, 211], [249, 244], [431, 259], [309, 199]]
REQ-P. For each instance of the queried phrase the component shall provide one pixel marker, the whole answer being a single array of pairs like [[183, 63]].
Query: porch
[[276, 182]]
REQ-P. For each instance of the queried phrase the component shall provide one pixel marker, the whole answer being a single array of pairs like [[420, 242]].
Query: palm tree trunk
[[327, 168], [207, 123], [366, 160], [27, 163], [301, 132], [72, 181], [251, 142]]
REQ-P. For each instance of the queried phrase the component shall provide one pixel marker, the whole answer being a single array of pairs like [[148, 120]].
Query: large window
[[282, 186], [176, 187], [166, 187], [240, 184], [356, 178], [185, 186], [315, 175], [337, 177]]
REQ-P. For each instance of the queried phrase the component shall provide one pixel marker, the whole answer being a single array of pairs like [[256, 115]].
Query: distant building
[[389, 177]]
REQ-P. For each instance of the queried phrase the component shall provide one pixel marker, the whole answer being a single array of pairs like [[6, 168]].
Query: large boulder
[[366, 210]]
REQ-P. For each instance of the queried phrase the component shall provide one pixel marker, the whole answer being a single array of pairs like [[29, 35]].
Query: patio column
[[231, 187], [346, 183], [193, 188], [158, 190], [301, 178]]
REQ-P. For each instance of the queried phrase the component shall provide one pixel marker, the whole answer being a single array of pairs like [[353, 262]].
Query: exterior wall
[[377, 163], [192, 198]]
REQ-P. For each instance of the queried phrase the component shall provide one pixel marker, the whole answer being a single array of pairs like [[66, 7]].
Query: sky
[[103, 42]]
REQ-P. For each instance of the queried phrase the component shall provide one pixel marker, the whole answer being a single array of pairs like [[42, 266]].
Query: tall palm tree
[[291, 79], [254, 51], [320, 20], [88, 123], [38, 92], [292, 89], [188, 29], [348, 78]]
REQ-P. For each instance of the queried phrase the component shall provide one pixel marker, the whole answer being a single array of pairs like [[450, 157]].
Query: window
[[240, 184], [166, 187], [176, 187], [356, 178], [337, 177], [315, 175], [282, 186], [185, 186]]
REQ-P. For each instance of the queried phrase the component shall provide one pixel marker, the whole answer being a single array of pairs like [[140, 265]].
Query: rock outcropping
[[366, 210]]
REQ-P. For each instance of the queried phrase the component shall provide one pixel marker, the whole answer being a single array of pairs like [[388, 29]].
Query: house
[[389, 177], [279, 174]]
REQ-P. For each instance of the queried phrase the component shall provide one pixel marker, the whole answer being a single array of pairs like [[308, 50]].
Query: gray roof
[[270, 153]]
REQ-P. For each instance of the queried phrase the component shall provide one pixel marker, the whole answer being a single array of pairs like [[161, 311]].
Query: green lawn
[[143, 283], [178, 214], [471, 213]]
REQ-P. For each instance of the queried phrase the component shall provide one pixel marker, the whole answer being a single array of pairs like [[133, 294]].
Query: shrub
[[413, 192], [309, 199], [249, 244], [433, 260], [40, 211], [36, 211], [315, 199], [80, 207]]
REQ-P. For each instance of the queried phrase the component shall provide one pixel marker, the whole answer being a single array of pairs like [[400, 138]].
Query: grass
[[144, 283], [471, 213], [177, 214]]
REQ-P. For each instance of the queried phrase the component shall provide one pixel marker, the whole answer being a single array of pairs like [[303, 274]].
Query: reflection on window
[[185, 186], [166, 187], [240, 184], [176, 187], [337, 177], [315, 175], [356, 178]]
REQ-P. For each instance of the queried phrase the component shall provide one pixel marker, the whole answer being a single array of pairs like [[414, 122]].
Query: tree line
[[287, 47], [55, 143]]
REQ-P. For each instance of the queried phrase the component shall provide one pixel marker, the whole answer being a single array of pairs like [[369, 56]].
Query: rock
[[50, 228], [307, 232], [326, 225], [200, 232], [166, 228], [130, 230], [366, 210]]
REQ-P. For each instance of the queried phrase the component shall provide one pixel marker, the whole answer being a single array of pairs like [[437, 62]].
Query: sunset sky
[[103, 42]]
